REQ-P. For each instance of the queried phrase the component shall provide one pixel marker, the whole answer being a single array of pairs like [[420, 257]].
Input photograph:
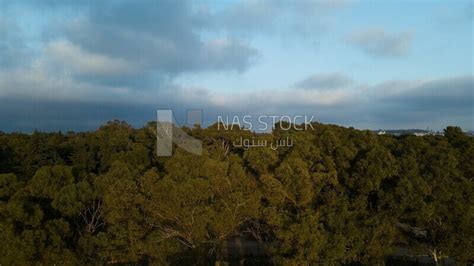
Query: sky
[[73, 65]]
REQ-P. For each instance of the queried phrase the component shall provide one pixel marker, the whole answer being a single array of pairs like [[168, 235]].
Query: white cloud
[[279, 98], [380, 43], [71, 57], [41, 82], [324, 81]]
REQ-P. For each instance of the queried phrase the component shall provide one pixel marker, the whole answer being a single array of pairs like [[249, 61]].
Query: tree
[[337, 196]]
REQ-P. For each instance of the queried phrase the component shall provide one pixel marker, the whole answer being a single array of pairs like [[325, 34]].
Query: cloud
[[221, 51], [27, 115], [116, 48], [119, 59], [69, 56], [440, 95], [37, 82], [324, 81], [280, 98], [303, 18], [459, 14], [422, 103], [161, 37], [13, 51], [433, 103], [116, 45], [379, 43]]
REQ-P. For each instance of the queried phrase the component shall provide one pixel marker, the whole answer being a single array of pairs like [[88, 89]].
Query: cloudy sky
[[73, 65]]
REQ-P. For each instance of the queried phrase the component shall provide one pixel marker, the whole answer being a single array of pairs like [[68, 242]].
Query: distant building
[[416, 132], [420, 134]]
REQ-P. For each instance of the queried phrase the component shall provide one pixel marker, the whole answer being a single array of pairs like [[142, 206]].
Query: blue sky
[[73, 65]]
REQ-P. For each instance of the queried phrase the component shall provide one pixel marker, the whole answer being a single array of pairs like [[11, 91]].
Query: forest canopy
[[337, 196]]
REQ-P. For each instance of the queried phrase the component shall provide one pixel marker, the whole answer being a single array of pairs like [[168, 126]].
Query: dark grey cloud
[[379, 43], [142, 45], [27, 115], [162, 37], [118, 59], [435, 103], [324, 81], [396, 104], [453, 93], [124, 43]]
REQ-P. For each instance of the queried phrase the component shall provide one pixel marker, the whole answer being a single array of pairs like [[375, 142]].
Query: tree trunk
[[434, 254]]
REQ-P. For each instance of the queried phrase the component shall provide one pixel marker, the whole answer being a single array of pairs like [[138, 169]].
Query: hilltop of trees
[[337, 196]]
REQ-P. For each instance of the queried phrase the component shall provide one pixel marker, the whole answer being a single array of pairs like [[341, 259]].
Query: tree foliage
[[337, 196]]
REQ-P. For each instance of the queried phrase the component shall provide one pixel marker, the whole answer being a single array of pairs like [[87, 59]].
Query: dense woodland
[[337, 196]]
